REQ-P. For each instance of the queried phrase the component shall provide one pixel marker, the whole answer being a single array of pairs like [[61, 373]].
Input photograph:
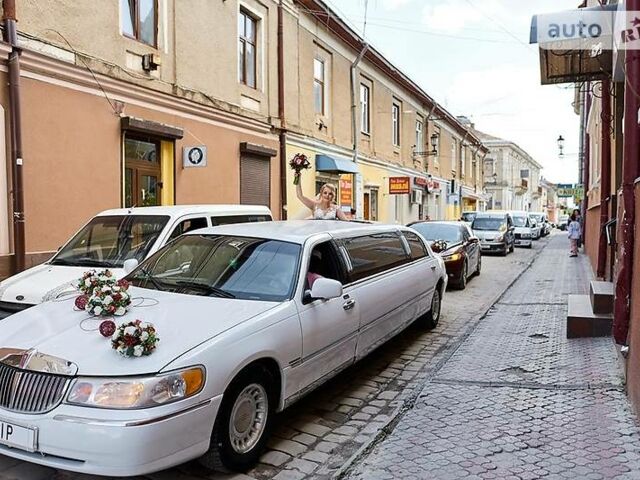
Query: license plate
[[17, 436]]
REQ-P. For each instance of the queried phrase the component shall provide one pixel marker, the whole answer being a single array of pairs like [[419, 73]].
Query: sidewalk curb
[[410, 401]]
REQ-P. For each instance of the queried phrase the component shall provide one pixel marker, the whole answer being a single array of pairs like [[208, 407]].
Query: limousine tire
[[243, 423], [432, 317]]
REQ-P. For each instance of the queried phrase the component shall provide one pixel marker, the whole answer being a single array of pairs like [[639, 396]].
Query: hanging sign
[[399, 185]]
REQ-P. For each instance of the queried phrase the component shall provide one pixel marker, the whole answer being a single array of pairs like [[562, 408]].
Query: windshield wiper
[[146, 275], [210, 289], [82, 262]]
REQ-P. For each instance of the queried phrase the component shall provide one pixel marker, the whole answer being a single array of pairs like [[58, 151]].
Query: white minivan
[[109, 239]]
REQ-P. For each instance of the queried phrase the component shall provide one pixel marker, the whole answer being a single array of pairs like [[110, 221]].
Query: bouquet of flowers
[[298, 163], [134, 339], [439, 246], [109, 300], [93, 279]]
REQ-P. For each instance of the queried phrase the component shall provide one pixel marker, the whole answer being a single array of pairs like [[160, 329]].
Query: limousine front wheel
[[432, 317], [243, 423]]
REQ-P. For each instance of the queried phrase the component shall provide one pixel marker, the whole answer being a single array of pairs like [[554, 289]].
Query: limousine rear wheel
[[432, 317], [243, 423]]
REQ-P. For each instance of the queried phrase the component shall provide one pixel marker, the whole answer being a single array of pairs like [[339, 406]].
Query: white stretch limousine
[[250, 318], [112, 239]]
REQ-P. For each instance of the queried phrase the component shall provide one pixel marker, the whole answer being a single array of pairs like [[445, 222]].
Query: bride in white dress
[[323, 207]]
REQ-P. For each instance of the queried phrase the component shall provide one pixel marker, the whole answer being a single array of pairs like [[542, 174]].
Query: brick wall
[[633, 362]]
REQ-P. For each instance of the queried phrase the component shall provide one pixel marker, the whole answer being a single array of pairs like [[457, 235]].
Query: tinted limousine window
[[228, 219], [371, 254]]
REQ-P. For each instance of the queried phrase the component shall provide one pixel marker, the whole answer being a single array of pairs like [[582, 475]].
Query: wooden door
[[366, 206]]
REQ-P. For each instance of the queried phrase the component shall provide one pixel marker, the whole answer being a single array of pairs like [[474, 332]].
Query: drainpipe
[[354, 120], [10, 36], [585, 166], [282, 136], [605, 176], [630, 170]]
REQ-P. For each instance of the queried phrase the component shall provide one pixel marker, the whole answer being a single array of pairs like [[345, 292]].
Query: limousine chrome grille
[[27, 391]]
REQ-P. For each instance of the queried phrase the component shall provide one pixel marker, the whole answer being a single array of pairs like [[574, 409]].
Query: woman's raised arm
[[310, 204]]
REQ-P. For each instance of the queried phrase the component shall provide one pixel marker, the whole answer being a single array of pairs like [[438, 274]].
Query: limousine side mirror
[[130, 265], [474, 239], [326, 288]]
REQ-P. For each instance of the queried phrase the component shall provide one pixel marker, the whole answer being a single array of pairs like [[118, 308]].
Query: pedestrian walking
[[576, 212], [575, 233]]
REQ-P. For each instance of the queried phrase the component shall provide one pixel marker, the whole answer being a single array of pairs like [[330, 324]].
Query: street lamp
[[435, 138], [560, 142]]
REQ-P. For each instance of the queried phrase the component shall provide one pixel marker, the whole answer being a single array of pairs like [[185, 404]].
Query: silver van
[[495, 230]]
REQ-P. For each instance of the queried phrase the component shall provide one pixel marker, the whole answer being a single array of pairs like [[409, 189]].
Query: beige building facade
[[166, 102]]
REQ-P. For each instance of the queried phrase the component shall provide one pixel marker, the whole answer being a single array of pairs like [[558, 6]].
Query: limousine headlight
[[136, 392]]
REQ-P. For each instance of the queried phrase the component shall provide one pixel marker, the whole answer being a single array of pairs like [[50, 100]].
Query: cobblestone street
[[517, 399], [496, 391]]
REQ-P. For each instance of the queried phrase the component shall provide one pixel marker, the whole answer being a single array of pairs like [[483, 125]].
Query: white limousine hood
[[43, 282], [182, 322]]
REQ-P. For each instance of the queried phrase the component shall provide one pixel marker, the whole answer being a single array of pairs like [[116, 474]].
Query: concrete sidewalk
[[518, 399]]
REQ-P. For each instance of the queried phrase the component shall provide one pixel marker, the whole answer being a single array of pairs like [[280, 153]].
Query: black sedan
[[457, 245]]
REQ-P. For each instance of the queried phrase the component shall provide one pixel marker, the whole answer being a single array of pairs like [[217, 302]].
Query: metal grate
[[25, 391]]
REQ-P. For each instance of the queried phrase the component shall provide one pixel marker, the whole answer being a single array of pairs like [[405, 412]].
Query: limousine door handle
[[433, 267], [349, 304]]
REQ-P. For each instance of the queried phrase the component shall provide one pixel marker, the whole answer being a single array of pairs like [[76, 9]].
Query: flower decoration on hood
[[439, 246], [109, 300], [93, 279], [135, 339]]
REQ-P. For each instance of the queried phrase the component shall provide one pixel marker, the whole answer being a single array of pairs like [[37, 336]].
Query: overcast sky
[[474, 57]]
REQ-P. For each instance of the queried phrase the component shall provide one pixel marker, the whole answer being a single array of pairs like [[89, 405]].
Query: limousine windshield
[[222, 266], [107, 241]]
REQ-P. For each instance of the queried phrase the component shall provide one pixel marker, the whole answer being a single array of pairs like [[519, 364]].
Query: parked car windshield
[[519, 221], [537, 216], [468, 216], [107, 241], [488, 223], [222, 266], [439, 231]]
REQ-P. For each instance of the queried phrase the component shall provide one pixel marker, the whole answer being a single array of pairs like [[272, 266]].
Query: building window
[[319, 85], [419, 136], [463, 161], [395, 124], [247, 27], [364, 109], [454, 155], [139, 20]]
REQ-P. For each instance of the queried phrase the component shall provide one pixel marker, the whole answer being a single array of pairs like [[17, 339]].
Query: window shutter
[[255, 180]]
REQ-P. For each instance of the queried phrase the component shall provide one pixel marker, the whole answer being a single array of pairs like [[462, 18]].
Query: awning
[[325, 163], [575, 45]]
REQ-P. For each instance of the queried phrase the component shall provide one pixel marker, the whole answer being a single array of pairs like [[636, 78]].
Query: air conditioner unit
[[416, 196]]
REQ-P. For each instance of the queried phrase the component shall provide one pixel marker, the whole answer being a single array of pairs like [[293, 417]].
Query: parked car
[[245, 331], [523, 229], [495, 230], [109, 240], [542, 219], [457, 245], [468, 217], [536, 228]]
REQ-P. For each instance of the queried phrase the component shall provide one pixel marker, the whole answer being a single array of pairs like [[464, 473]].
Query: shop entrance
[[142, 171]]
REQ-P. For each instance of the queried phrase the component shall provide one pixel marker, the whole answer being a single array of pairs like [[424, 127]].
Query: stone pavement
[[323, 432], [517, 399]]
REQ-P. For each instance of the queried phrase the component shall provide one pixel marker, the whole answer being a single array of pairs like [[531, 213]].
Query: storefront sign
[[194, 156], [567, 190], [346, 190], [420, 181], [399, 185], [433, 186]]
